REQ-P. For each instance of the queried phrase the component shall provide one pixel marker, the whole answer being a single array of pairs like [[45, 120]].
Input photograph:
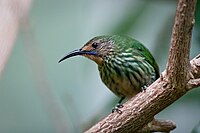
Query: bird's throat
[[96, 59]]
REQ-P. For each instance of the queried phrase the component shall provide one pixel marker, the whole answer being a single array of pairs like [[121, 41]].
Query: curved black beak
[[75, 53]]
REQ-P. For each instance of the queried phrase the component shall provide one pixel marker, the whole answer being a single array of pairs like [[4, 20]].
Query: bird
[[125, 65]]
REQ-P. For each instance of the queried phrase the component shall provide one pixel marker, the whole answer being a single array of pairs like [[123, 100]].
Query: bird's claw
[[116, 108], [144, 88], [119, 105]]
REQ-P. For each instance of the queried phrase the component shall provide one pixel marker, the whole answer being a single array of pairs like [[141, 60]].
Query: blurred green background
[[38, 95]]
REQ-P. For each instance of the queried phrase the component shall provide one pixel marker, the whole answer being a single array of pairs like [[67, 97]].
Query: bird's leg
[[119, 105]]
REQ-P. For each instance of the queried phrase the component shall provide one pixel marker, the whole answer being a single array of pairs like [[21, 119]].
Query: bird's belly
[[127, 81], [121, 85]]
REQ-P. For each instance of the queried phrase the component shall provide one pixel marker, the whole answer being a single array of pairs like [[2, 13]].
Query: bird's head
[[97, 49]]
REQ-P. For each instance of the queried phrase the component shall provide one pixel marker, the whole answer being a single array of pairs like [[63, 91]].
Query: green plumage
[[126, 66], [130, 67]]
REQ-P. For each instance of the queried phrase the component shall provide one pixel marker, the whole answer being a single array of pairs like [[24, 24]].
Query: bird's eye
[[94, 45]]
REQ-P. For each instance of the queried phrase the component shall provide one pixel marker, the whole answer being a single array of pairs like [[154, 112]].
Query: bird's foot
[[144, 88], [116, 108]]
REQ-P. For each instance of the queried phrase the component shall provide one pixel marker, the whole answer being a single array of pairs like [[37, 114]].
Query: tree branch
[[195, 73], [195, 66], [174, 82], [158, 126], [178, 66], [193, 83]]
